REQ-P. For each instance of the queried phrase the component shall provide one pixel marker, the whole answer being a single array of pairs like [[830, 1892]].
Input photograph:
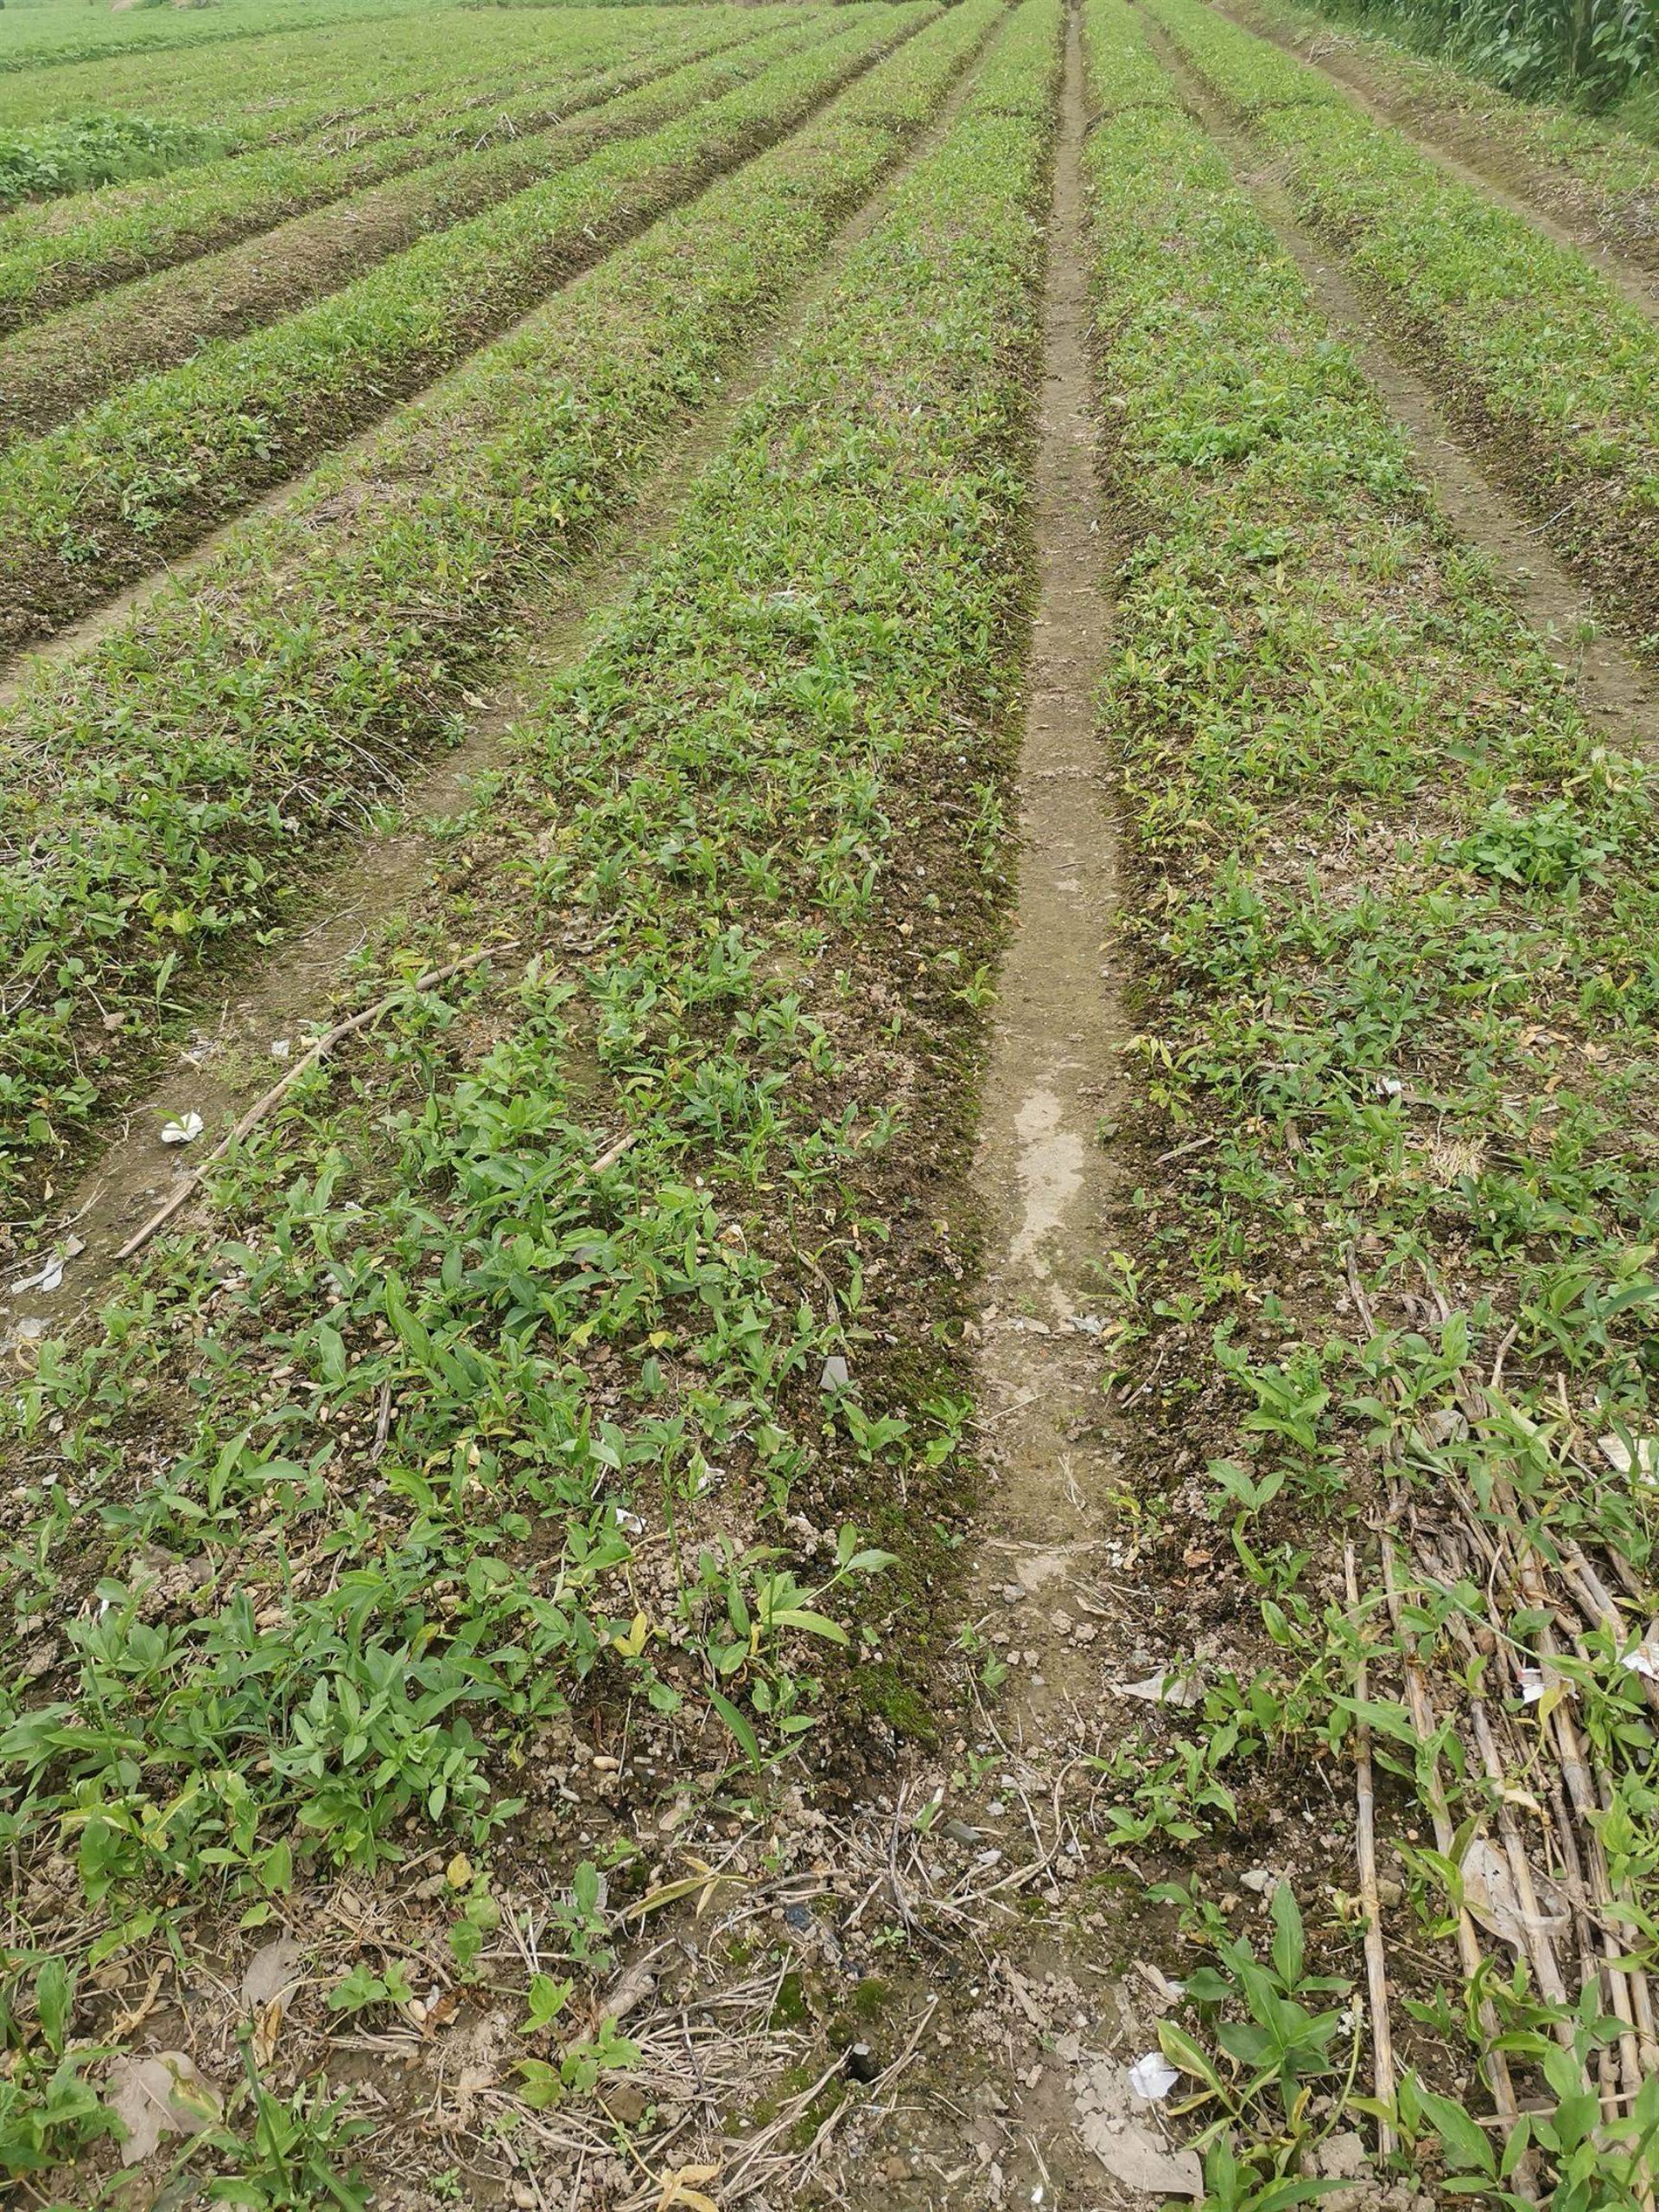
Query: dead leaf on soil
[[1489, 1893], [629, 1991], [273, 1974], [1167, 1687], [678, 2188], [160, 2094], [272, 1977]]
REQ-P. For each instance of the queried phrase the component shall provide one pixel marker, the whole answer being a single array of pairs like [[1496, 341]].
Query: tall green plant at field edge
[[1590, 51]]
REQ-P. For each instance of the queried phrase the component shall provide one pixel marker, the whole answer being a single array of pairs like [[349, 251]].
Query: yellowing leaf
[[678, 2188], [459, 1872], [633, 1642]]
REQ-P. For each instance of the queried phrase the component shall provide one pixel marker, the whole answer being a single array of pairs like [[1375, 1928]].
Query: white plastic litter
[[1643, 1461], [1167, 1687], [1153, 2077]]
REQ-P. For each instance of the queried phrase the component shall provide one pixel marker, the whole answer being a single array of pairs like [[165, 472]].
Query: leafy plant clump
[[1591, 51], [98, 149]]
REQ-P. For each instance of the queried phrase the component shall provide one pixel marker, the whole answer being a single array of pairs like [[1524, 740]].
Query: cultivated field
[[829, 1265]]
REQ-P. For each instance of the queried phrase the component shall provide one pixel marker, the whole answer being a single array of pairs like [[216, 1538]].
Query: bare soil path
[[1614, 690], [1042, 1175], [1022, 2098]]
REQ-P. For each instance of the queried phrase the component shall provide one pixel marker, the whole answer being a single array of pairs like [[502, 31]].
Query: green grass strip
[[32, 57], [1396, 910], [51, 256], [1558, 374], [152, 470], [160, 790], [268, 62], [602, 1388], [76, 359]]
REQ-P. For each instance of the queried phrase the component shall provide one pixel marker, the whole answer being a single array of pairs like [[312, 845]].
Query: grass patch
[[79, 359], [51, 256]]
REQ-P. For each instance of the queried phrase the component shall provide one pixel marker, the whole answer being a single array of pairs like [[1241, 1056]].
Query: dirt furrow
[[1046, 1184], [1043, 1174], [1467, 150], [1613, 688], [265, 1015]]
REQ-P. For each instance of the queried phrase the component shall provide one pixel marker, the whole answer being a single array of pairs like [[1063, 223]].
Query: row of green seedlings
[[165, 785], [337, 85], [1396, 967], [280, 81], [51, 257], [86, 150], [76, 359], [38, 43], [150, 471], [539, 1360], [1554, 372], [1577, 165]]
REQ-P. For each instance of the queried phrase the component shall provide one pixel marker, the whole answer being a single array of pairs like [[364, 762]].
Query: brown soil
[[44, 593], [1621, 238], [1616, 692], [80, 357], [1055, 1079]]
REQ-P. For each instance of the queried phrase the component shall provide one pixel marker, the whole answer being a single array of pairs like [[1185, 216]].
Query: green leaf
[[1466, 2146], [542, 2087], [331, 1353], [1180, 2049], [1289, 1945], [54, 1997], [748, 1743], [811, 1624]]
